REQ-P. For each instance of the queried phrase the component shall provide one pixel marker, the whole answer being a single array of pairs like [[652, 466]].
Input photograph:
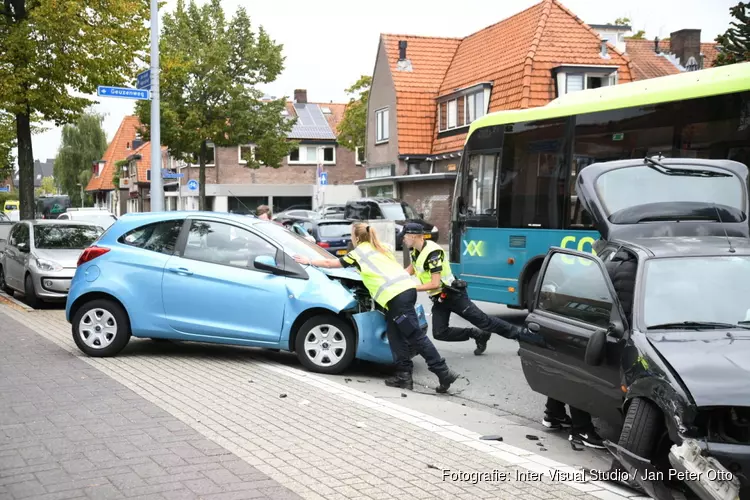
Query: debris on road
[[492, 437], [282, 395], [532, 437]]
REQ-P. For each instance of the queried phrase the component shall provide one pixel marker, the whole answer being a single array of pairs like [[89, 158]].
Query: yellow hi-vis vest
[[381, 274], [424, 277]]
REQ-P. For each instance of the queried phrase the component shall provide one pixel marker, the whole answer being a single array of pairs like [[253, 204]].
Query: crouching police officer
[[449, 295]]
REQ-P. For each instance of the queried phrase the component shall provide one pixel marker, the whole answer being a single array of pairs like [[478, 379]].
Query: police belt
[[457, 287]]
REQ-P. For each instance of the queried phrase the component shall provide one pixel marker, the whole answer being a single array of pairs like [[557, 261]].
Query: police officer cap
[[413, 228]]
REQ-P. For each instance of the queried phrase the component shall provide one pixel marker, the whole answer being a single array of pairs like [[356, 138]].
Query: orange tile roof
[[709, 50], [144, 164], [646, 62], [116, 151], [516, 55]]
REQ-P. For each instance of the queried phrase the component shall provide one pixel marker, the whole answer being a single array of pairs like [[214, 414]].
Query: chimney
[[686, 45], [402, 50], [300, 96], [656, 45]]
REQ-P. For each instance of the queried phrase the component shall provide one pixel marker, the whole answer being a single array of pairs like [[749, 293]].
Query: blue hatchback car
[[221, 278]]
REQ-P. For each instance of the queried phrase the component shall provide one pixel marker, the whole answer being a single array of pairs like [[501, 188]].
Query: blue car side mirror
[[265, 262]]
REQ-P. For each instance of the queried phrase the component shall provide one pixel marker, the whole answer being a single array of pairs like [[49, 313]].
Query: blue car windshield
[[292, 243]]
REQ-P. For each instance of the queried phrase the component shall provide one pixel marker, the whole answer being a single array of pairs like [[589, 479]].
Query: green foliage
[[7, 143], [47, 187], [622, 21], [353, 126], [639, 35], [82, 143], [51, 52], [209, 70], [734, 44]]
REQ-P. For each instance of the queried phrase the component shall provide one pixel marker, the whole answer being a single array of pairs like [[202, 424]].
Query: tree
[[47, 187], [639, 35], [734, 44], [50, 50], [209, 69], [83, 143], [7, 143], [353, 126], [622, 21], [83, 180]]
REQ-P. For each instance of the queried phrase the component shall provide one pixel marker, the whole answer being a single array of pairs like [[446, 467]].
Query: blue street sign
[[172, 175], [4, 189], [192, 185], [144, 80], [123, 93], [324, 178]]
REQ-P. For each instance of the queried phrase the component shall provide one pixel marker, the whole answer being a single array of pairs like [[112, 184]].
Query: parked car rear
[[98, 217]]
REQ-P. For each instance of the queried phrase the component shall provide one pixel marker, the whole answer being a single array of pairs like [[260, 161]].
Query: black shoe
[[402, 380], [587, 438], [446, 378], [481, 339], [553, 422]]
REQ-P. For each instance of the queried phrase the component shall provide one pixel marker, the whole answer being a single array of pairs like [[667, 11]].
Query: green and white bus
[[515, 197]]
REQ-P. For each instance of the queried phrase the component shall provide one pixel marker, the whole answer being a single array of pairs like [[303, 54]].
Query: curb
[[14, 303]]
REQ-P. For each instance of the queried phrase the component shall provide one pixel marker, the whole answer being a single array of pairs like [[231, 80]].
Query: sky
[[328, 44]]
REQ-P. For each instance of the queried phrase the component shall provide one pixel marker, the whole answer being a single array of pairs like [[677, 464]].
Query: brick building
[[232, 186]]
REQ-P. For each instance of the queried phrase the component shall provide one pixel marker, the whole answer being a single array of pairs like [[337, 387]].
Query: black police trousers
[[581, 419], [404, 332], [460, 304]]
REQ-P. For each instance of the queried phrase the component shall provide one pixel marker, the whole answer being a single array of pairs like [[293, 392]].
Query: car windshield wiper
[[663, 169], [698, 325]]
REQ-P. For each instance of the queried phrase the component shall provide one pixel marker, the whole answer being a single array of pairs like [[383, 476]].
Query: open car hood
[[345, 273], [714, 371], [636, 198]]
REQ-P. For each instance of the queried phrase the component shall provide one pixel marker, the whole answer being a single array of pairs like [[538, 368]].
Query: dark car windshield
[[61, 237], [634, 186], [697, 290], [292, 243], [397, 211], [338, 230]]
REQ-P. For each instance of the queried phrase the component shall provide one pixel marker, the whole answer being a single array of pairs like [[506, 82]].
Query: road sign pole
[[157, 187]]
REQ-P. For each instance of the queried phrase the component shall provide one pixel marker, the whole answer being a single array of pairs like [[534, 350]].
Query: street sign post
[[123, 93], [157, 186], [144, 80], [192, 185], [4, 189], [323, 178], [172, 175]]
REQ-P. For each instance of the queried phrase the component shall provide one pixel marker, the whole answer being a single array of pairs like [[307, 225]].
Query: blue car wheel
[[325, 344], [101, 328]]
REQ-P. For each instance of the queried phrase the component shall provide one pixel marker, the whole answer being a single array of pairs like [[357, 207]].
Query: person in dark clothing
[[448, 295], [622, 268]]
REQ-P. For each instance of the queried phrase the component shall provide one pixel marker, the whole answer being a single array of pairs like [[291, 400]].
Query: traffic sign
[[4, 189], [192, 185], [172, 175], [144, 80], [123, 93], [324, 178]]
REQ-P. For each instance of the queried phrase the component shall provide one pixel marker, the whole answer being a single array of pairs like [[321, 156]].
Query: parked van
[[11, 205]]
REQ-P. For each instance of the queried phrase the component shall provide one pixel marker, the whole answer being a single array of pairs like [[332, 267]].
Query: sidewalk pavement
[[314, 436]]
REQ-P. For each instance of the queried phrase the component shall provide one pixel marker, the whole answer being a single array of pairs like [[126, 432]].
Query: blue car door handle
[[180, 270]]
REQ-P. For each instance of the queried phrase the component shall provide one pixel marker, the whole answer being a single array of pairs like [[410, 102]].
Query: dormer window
[[576, 78], [463, 107]]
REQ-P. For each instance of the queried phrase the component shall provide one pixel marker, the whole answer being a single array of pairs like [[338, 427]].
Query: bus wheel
[[530, 285]]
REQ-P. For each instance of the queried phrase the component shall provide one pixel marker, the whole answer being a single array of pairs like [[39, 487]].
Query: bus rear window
[[625, 188]]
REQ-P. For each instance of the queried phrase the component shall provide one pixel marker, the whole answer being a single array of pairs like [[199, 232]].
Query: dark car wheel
[[641, 428], [530, 285], [325, 344], [101, 328], [3, 285], [29, 293]]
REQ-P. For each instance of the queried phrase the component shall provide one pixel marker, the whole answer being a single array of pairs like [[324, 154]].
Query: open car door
[[666, 197]]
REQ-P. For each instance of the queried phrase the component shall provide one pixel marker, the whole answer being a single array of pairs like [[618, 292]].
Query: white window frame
[[303, 156], [239, 153], [209, 145], [356, 156], [608, 78], [382, 125]]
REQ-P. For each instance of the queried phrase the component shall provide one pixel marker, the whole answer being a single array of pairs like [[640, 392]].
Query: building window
[[359, 154], [210, 156], [461, 111], [382, 130], [245, 151], [574, 82], [308, 155]]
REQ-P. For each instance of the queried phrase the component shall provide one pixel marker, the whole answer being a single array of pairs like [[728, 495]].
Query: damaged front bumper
[[705, 476], [372, 342]]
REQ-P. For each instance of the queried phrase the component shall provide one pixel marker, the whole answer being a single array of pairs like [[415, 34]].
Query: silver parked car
[[40, 257], [96, 216]]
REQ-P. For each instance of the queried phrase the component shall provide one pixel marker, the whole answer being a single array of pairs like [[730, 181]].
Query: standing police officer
[[394, 290], [449, 295]]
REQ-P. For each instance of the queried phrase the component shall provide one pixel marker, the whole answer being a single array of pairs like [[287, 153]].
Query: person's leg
[[441, 330], [408, 323], [401, 353], [467, 309], [555, 416], [583, 431]]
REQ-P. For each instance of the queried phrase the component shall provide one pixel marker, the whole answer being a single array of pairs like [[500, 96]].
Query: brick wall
[[228, 170], [433, 198]]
